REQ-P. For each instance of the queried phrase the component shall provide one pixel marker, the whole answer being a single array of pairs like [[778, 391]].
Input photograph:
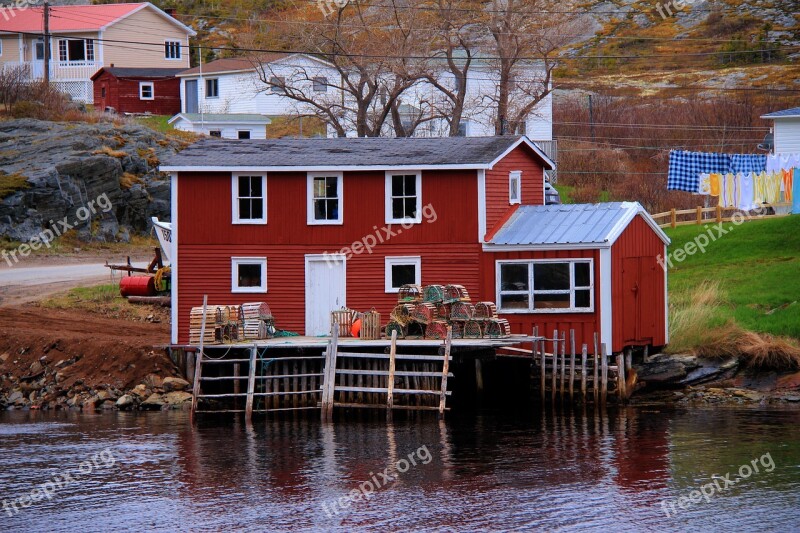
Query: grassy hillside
[[747, 279]]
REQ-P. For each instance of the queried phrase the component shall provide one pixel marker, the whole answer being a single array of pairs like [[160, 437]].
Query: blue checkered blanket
[[685, 168]]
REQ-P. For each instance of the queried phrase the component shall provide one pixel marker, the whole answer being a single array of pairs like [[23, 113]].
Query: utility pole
[[47, 42]]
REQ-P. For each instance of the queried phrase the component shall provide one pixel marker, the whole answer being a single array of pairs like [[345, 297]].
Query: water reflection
[[544, 468]]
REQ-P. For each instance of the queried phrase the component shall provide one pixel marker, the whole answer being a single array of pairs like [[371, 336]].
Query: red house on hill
[[138, 90], [311, 225]]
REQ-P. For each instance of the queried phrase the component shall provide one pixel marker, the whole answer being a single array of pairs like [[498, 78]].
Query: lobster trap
[[485, 310], [344, 318], [497, 328], [455, 293], [462, 311], [371, 325], [424, 313], [434, 294], [436, 330], [410, 293]]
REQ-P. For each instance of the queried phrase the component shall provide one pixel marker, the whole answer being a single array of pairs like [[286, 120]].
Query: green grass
[[757, 268], [156, 122]]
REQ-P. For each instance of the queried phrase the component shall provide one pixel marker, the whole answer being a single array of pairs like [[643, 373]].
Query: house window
[[172, 50], [325, 198], [249, 199], [403, 271], [74, 50], [515, 187], [545, 286], [278, 84], [146, 91], [212, 88], [249, 274], [244, 134], [1, 48], [215, 133], [462, 128], [403, 198], [102, 92], [320, 84]]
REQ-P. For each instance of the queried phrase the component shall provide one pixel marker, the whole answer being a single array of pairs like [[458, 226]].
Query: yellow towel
[[716, 184]]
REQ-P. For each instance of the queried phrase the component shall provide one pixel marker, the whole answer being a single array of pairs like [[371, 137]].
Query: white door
[[325, 291], [38, 59]]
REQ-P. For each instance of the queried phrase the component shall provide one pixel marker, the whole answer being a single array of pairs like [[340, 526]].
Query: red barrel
[[137, 286]]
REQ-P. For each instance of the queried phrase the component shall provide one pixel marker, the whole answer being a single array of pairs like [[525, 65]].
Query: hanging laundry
[[729, 193], [685, 168], [777, 162], [767, 187], [746, 200], [748, 163], [796, 192], [716, 184], [787, 185], [705, 184]]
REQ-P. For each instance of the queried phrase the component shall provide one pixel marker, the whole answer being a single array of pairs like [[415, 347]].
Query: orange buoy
[[356, 329]]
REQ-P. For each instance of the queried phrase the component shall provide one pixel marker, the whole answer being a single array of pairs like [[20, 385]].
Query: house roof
[[786, 113], [377, 153], [232, 64], [138, 72], [570, 225], [74, 18], [229, 118]]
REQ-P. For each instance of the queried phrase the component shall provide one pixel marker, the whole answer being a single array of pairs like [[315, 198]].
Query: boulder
[[125, 402], [140, 390], [175, 384], [177, 398], [153, 402]]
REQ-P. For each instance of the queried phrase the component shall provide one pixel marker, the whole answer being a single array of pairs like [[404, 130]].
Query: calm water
[[484, 471]]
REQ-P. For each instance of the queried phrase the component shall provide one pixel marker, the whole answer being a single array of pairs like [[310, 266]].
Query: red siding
[[521, 158], [123, 95], [638, 319], [584, 324], [448, 247]]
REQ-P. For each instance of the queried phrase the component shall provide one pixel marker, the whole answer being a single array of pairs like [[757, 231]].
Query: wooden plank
[[604, 373], [543, 348], [445, 370], [621, 376], [251, 384], [596, 361], [563, 360], [329, 381], [380, 390], [385, 373], [554, 377], [199, 358], [391, 374], [355, 355], [584, 350], [572, 364], [396, 407]]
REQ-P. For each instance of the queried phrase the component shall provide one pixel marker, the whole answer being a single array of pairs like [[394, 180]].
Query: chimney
[[170, 11]]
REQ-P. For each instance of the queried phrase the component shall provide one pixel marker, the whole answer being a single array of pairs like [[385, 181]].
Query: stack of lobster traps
[[231, 323], [431, 310], [257, 321]]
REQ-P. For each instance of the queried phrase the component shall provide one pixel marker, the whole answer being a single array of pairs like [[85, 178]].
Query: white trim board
[[174, 254]]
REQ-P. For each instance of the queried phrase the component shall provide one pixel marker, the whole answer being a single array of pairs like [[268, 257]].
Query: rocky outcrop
[[102, 178]]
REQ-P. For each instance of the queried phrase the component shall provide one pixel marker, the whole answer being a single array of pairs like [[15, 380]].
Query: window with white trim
[[249, 274], [212, 88], [403, 271], [515, 187], [243, 134], [325, 198], [172, 50], [551, 286], [146, 90], [75, 50], [249, 199], [277, 84], [403, 197], [320, 84]]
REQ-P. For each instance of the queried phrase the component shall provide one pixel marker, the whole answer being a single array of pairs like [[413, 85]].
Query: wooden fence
[[687, 217]]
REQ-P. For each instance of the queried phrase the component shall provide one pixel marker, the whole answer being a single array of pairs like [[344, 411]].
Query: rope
[[159, 278]]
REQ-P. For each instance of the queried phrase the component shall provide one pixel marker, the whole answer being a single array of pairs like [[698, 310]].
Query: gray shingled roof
[[786, 113], [472, 152], [568, 224], [232, 118], [121, 72]]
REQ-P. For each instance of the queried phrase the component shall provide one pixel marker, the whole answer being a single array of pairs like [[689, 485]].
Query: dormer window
[[515, 187]]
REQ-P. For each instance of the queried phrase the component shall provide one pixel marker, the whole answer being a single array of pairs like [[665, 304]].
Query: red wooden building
[[311, 225], [138, 90]]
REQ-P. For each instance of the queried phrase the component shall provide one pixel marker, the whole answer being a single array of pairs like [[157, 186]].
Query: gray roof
[[120, 72], [381, 152], [569, 224], [227, 118], [786, 113]]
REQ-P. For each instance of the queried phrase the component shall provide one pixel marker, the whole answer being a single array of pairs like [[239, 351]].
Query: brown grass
[[11, 183], [758, 351], [128, 180], [149, 155], [105, 150]]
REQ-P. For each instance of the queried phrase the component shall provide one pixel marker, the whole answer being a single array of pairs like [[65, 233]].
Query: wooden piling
[[390, 380], [199, 358], [563, 360], [329, 375], [604, 374], [596, 370], [237, 384], [445, 370], [584, 351], [572, 364], [251, 382], [554, 377], [621, 376], [543, 357]]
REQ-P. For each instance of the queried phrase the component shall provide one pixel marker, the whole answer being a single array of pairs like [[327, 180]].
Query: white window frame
[[142, 85], [1, 47], [532, 289], [249, 132], [280, 87], [212, 80], [319, 84], [170, 46], [64, 55], [415, 260], [235, 199], [515, 176], [236, 262], [310, 198], [388, 197]]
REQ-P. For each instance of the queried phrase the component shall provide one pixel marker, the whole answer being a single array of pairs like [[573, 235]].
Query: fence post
[[673, 217], [699, 215], [719, 214]]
